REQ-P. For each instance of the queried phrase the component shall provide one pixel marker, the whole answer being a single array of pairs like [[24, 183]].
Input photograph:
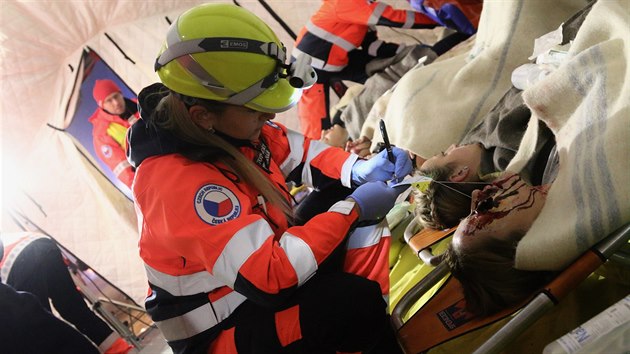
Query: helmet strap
[[254, 90]]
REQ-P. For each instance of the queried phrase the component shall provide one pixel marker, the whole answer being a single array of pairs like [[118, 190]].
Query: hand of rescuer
[[379, 168], [375, 199]]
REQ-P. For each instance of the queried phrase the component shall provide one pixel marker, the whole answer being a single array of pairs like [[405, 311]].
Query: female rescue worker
[[227, 272]]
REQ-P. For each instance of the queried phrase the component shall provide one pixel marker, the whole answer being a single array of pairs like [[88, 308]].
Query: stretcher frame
[[531, 309]]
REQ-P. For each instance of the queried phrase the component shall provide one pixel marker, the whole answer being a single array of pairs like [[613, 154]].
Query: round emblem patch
[[106, 150], [216, 204]]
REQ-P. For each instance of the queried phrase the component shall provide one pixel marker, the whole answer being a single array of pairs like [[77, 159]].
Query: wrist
[[355, 178], [355, 209]]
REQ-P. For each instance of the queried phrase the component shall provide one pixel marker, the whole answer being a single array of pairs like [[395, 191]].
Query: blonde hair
[[172, 114], [442, 206]]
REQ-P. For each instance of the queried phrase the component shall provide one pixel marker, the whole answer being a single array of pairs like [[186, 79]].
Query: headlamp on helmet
[[301, 73]]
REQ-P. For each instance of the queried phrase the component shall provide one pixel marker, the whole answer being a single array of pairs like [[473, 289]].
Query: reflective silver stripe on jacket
[[410, 20], [329, 37], [296, 146], [374, 46], [300, 256], [183, 285], [21, 240], [244, 242], [201, 318], [315, 147], [318, 63], [346, 170], [296, 151], [121, 166], [368, 236], [250, 238], [376, 14], [343, 207], [132, 120]]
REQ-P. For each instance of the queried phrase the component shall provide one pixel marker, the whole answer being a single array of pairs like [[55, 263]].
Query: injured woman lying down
[[484, 152], [518, 234], [481, 254], [488, 148]]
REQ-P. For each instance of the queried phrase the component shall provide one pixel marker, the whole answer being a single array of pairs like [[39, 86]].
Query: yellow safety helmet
[[225, 53]]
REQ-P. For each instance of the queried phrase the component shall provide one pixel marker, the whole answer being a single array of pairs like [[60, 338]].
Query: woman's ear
[[460, 174], [201, 117]]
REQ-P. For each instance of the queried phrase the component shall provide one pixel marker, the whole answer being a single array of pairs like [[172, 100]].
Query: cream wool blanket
[[433, 106], [586, 103]]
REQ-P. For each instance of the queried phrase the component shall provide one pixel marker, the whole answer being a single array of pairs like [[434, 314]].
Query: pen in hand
[[388, 146]]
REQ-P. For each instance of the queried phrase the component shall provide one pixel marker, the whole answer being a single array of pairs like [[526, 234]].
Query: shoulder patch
[[216, 204], [106, 150]]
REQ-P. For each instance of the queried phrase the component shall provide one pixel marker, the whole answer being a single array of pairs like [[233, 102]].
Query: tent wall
[[44, 176]]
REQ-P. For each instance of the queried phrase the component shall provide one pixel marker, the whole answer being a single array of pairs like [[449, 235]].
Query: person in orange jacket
[[32, 264], [114, 115], [341, 39], [228, 273]]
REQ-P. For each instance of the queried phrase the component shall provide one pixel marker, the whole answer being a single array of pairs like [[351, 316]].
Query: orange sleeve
[[194, 218]]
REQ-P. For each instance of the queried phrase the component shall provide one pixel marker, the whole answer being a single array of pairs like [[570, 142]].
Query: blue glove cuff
[[355, 177]]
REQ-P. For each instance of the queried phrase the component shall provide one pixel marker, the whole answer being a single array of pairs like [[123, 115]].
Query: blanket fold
[[586, 103]]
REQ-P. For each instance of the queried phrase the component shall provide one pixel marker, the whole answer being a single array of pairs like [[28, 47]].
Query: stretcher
[[443, 317]]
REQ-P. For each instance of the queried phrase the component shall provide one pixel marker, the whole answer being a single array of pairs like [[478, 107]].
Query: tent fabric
[[45, 176], [42, 43]]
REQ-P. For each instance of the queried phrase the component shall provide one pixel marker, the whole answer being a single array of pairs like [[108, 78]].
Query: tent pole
[[277, 18]]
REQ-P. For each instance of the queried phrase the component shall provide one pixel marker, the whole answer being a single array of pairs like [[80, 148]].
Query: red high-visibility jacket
[[340, 26], [107, 148], [209, 241]]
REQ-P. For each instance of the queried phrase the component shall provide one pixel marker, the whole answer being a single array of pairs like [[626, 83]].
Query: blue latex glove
[[448, 15], [379, 168], [375, 199]]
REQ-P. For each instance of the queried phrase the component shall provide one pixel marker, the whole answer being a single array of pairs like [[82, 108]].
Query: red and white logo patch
[[216, 204], [106, 150]]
